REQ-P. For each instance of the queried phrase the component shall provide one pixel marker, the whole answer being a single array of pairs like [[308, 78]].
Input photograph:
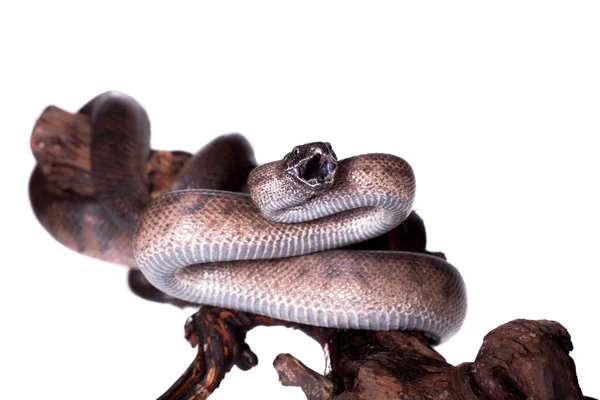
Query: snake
[[279, 246]]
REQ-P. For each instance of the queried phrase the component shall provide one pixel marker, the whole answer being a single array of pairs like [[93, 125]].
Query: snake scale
[[280, 250]]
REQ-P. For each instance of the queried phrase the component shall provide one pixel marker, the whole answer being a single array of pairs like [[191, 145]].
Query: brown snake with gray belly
[[273, 251]]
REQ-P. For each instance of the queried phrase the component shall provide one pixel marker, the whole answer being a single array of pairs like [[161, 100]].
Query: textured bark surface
[[522, 359]]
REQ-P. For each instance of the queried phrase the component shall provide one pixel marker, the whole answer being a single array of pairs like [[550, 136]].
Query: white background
[[496, 106]]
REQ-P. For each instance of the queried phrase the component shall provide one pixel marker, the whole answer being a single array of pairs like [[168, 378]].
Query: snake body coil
[[270, 252], [280, 251]]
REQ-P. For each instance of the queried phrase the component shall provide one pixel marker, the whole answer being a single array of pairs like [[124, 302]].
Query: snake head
[[313, 164]]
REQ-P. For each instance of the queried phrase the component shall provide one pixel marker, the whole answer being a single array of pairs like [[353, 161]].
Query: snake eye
[[296, 151]]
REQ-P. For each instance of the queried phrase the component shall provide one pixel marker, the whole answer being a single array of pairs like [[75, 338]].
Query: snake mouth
[[317, 167]]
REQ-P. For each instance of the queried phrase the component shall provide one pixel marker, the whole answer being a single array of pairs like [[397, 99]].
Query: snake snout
[[314, 164], [316, 171]]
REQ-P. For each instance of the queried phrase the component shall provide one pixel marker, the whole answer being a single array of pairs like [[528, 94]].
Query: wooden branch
[[293, 373], [60, 143], [522, 359]]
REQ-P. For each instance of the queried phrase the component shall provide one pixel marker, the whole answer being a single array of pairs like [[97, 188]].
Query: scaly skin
[[218, 248]]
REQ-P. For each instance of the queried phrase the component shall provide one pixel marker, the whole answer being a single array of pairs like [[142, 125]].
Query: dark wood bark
[[522, 359]]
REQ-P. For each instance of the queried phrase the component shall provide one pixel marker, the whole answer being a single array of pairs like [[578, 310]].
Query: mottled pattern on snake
[[269, 256], [270, 253]]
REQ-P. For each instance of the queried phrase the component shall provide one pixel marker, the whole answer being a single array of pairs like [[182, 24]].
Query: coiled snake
[[275, 251]]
